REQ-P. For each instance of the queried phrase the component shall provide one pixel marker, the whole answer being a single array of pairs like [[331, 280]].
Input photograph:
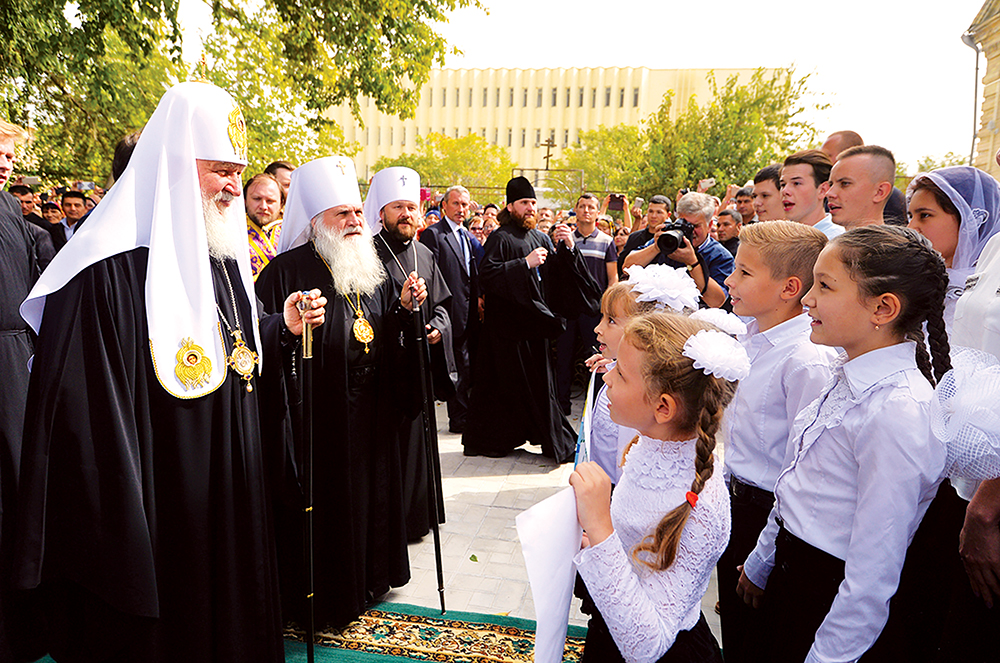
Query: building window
[[444, 97], [391, 135], [552, 136], [567, 97], [621, 98], [565, 138], [402, 137], [555, 93], [482, 132], [443, 132], [524, 132], [607, 97], [593, 97], [430, 96], [538, 99], [456, 132], [581, 98], [511, 101], [635, 97], [498, 97], [485, 95], [578, 134], [538, 137], [470, 132], [470, 97], [416, 132], [510, 137], [456, 96], [368, 136], [524, 101]]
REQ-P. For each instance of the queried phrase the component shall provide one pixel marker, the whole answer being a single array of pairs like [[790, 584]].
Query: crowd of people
[[163, 455]]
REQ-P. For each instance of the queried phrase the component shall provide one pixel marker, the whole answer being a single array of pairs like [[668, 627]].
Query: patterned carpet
[[400, 632]]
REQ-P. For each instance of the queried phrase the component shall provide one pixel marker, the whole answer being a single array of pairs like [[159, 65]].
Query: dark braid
[[891, 259]]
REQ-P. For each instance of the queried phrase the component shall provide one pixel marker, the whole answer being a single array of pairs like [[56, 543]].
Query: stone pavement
[[483, 566]]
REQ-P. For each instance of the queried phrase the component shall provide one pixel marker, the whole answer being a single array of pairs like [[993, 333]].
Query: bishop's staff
[[304, 305]]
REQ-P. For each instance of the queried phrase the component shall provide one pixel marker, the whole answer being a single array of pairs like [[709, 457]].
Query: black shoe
[[489, 453]]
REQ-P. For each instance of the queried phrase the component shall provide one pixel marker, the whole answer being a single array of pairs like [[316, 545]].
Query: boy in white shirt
[[773, 270]]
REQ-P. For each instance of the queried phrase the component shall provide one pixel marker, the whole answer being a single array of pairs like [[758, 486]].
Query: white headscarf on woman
[[976, 195]]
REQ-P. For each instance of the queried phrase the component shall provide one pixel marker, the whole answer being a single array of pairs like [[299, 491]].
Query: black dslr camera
[[672, 237]]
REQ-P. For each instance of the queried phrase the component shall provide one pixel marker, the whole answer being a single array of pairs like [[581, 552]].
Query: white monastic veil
[[157, 203], [316, 187], [387, 186]]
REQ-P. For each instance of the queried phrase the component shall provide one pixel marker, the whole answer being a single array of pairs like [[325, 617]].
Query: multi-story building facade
[[520, 109]]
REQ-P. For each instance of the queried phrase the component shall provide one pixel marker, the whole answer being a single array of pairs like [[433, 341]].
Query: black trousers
[[743, 627], [695, 646], [800, 591], [578, 340], [458, 405]]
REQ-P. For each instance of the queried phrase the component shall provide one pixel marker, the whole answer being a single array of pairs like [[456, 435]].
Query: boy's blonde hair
[[787, 248], [8, 130]]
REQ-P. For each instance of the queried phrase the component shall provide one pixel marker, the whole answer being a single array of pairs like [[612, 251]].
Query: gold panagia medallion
[[238, 132], [193, 367], [363, 332], [243, 359]]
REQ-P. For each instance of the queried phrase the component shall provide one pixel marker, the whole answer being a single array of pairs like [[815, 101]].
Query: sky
[[895, 71]]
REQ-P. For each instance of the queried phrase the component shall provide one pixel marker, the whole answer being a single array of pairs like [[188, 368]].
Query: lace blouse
[[645, 609]]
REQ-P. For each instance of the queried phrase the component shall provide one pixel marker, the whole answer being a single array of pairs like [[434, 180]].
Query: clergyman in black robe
[[359, 534], [513, 395], [143, 526], [414, 256], [19, 267]]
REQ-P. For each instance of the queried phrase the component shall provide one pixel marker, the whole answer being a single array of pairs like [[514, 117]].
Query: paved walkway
[[483, 567]]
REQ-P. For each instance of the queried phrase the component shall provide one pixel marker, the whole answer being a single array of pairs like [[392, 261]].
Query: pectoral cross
[[343, 168]]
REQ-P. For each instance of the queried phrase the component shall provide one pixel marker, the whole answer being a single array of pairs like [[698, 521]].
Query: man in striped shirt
[[601, 257]]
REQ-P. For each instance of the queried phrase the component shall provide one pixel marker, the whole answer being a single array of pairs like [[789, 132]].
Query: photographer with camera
[[686, 243], [657, 214]]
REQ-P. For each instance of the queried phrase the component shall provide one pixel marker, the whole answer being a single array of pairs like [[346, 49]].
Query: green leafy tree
[[610, 157], [442, 161], [242, 59], [77, 125], [730, 136]]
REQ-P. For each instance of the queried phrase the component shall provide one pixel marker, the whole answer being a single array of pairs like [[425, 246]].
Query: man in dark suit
[[454, 249]]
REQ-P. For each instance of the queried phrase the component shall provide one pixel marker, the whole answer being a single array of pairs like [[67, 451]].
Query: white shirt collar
[[872, 367]]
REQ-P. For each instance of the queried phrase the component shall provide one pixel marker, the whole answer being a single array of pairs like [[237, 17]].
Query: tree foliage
[[739, 129], [242, 58], [611, 158], [442, 161], [83, 73], [77, 125]]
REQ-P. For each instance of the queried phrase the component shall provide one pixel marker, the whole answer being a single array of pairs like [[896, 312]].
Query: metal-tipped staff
[[435, 501], [307, 427], [430, 437]]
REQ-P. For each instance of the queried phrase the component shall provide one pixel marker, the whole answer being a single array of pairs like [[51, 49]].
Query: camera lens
[[670, 241]]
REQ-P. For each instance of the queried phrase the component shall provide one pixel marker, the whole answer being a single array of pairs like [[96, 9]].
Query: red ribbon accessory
[[692, 499]]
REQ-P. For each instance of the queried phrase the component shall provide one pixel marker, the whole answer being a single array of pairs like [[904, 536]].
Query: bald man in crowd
[[860, 186], [839, 141]]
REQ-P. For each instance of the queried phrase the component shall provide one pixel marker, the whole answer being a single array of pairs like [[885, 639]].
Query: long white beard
[[352, 258], [222, 241]]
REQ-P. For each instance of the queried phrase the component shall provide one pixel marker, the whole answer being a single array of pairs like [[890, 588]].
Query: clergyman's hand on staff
[[315, 314], [433, 335], [414, 285]]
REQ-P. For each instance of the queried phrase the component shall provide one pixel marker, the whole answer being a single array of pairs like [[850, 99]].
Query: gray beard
[[222, 242], [353, 261]]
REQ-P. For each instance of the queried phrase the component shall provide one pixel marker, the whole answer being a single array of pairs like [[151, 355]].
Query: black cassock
[[18, 265], [142, 519], [360, 538], [513, 393], [413, 455]]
